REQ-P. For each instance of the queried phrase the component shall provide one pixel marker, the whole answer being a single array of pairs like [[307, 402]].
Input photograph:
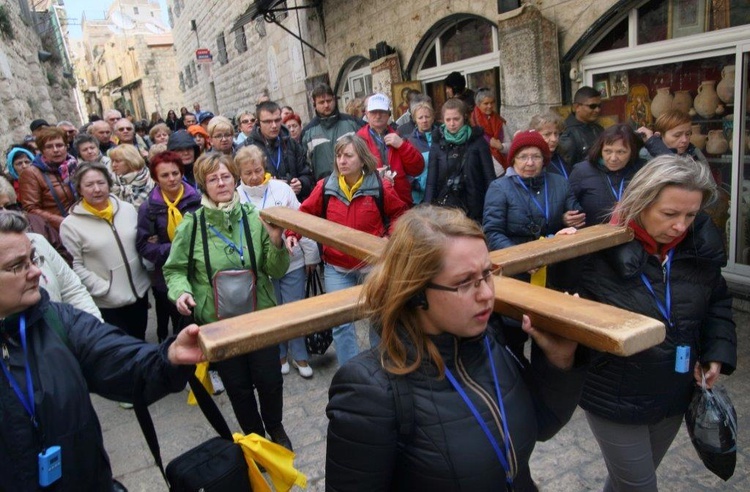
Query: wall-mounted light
[[193, 25], [44, 55]]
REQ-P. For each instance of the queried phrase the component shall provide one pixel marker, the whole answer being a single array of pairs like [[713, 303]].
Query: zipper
[[124, 259], [6, 355]]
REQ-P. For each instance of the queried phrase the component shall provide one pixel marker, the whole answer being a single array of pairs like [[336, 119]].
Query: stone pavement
[[570, 461]]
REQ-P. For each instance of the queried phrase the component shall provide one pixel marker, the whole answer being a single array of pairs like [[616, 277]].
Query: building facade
[[638, 53]]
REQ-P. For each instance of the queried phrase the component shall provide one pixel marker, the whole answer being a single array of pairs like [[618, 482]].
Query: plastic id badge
[[50, 466], [682, 359]]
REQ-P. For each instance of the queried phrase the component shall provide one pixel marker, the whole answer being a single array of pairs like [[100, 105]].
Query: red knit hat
[[529, 138]]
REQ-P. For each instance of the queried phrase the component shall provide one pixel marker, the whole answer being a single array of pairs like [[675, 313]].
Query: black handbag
[[217, 465], [316, 343]]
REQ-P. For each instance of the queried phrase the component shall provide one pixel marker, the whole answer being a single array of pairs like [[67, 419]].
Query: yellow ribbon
[[201, 372], [266, 178], [277, 460], [349, 192], [539, 277], [107, 214], [174, 216]]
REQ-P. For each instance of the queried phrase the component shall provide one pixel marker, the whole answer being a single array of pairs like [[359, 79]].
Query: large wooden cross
[[595, 325]]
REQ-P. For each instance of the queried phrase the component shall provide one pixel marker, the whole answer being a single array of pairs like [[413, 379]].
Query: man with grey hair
[[101, 130], [112, 116], [71, 132]]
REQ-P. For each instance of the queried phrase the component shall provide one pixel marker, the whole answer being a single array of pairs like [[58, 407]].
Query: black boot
[[278, 435], [118, 487]]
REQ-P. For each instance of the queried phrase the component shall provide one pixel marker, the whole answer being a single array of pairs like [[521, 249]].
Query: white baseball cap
[[378, 102]]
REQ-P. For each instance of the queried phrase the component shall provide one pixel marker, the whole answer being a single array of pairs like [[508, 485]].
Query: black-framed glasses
[[592, 106], [465, 288]]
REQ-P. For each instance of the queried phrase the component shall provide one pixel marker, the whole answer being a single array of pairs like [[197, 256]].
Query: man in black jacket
[[53, 356], [286, 157], [581, 128]]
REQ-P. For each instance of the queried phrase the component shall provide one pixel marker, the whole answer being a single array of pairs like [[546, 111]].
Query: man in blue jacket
[[53, 356]]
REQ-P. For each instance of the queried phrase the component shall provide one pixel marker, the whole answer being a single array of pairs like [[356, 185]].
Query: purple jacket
[[152, 220]]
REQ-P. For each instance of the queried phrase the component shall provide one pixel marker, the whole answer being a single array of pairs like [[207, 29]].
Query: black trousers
[[132, 318], [258, 370], [166, 311]]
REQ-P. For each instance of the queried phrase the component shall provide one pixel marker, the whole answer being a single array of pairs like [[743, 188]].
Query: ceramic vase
[[697, 138], [717, 143], [682, 101], [662, 102], [707, 100], [725, 87]]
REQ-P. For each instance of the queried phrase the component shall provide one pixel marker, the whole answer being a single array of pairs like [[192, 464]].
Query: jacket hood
[[11, 155], [181, 139], [370, 187], [257, 138]]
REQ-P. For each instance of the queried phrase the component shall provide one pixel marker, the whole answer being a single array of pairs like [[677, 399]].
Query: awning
[[125, 87]]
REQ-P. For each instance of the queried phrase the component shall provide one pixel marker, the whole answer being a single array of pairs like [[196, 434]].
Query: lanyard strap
[[495, 446], [382, 148], [265, 194], [230, 243], [559, 164], [545, 210], [615, 193], [26, 401], [276, 163], [665, 308]]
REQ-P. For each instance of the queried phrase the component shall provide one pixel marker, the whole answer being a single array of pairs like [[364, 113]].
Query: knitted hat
[[455, 81], [529, 138]]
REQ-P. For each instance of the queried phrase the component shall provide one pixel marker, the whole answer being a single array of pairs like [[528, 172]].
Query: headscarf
[[11, 156], [493, 128]]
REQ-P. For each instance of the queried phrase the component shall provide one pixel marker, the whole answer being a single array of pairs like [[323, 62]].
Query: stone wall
[[28, 88]]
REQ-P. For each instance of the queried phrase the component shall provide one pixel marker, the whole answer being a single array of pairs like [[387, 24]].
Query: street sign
[[203, 55]]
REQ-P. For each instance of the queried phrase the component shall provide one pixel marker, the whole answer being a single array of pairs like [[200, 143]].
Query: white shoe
[[304, 371], [285, 368], [125, 405], [216, 382]]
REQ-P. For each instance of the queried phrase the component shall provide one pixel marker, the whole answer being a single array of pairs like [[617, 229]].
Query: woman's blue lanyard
[[28, 400], [502, 457], [559, 164], [665, 308], [617, 195], [231, 244], [545, 210], [276, 163]]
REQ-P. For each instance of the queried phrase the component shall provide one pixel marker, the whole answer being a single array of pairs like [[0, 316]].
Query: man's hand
[[186, 349], [185, 304], [393, 140], [296, 185], [574, 218]]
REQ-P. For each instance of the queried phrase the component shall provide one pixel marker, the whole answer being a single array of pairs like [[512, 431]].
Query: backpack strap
[[404, 406], [204, 238], [379, 200], [249, 239], [191, 267], [325, 198], [56, 198]]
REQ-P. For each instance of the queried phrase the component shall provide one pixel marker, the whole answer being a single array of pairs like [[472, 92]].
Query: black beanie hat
[[456, 81]]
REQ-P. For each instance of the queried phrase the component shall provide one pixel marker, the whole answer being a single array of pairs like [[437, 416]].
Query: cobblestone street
[[568, 462]]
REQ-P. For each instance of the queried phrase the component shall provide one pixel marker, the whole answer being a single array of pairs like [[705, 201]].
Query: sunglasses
[[245, 122], [592, 106]]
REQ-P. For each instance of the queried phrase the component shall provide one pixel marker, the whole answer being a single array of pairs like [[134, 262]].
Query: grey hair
[[85, 167], [421, 105], [419, 99], [65, 123], [549, 118], [12, 221], [660, 172], [483, 94], [6, 189]]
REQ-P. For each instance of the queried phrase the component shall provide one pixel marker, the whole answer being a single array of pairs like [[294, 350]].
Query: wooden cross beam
[[595, 325]]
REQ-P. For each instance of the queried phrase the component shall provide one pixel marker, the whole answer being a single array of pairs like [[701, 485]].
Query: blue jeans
[[290, 288], [344, 336]]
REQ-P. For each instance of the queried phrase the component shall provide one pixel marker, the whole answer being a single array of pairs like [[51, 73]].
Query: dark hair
[[85, 138], [611, 135], [585, 93], [166, 157], [322, 90], [267, 106]]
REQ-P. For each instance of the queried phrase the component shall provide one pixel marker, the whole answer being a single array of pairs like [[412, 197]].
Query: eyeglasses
[[531, 157], [126, 129], [245, 122], [223, 136], [592, 106], [465, 288], [52, 146], [23, 267], [277, 121], [227, 178]]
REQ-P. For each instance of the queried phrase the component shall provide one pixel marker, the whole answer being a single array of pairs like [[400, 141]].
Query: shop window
[[467, 39], [616, 38], [357, 82], [221, 47], [240, 41]]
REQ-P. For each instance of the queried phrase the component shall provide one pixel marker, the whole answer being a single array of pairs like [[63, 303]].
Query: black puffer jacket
[[293, 162], [478, 172], [446, 449], [96, 358], [594, 187], [644, 388], [577, 139]]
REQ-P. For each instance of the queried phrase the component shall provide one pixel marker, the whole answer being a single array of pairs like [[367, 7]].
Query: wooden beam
[[358, 244], [535, 254]]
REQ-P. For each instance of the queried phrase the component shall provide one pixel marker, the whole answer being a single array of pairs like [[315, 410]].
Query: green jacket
[[271, 261]]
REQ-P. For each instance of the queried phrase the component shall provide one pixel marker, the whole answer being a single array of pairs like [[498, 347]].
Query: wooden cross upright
[[592, 324]]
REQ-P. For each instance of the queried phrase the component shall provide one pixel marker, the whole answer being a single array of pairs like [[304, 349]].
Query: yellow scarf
[[107, 214], [174, 216], [349, 192], [266, 178], [277, 460]]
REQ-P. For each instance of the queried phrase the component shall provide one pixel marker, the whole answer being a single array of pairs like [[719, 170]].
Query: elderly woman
[[45, 187], [355, 196], [17, 160], [158, 218], [599, 182], [421, 138], [88, 150], [257, 187], [671, 272], [441, 404], [460, 168], [550, 125], [247, 123], [221, 133], [293, 123], [159, 134], [133, 182], [219, 266], [100, 235], [493, 124]]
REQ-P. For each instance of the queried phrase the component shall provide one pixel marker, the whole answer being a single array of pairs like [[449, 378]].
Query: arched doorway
[[354, 80]]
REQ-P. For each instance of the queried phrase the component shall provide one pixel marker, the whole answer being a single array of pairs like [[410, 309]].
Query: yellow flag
[[277, 460]]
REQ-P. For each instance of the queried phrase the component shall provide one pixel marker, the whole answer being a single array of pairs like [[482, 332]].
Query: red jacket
[[403, 160], [361, 213]]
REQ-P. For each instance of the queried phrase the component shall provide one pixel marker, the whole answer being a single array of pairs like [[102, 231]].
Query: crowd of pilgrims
[[169, 204]]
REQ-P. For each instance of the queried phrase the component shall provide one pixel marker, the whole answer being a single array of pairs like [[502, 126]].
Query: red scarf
[[651, 246], [493, 128]]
